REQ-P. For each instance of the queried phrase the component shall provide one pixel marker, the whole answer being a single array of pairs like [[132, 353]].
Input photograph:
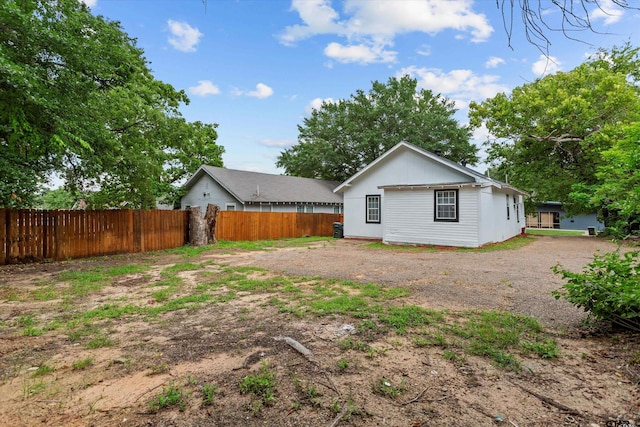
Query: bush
[[608, 288]]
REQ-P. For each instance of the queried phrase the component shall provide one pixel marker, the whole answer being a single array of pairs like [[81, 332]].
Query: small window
[[230, 207], [300, 208], [446, 205], [338, 209], [308, 208], [373, 209], [507, 206]]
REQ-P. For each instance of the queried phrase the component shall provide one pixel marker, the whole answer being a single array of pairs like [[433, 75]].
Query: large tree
[[77, 98], [549, 135], [342, 137]]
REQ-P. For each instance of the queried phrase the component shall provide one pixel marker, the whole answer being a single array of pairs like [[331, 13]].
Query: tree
[[538, 17], [340, 138], [77, 97], [58, 199], [549, 135], [617, 192]]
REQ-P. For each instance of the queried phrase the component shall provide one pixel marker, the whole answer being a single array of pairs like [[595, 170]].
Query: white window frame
[[450, 198], [230, 207], [373, 214]]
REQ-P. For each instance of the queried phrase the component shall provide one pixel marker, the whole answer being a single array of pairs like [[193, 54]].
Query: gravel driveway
[[517, 280]]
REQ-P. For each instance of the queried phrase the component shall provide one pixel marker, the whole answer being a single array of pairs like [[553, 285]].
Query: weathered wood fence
[[242, 225], [33, 235]]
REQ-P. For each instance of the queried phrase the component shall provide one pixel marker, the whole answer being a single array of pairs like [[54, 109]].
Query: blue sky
[[258, 67]]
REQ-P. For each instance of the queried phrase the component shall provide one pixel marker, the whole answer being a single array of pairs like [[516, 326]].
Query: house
[[232, 189], [552, 215], [411, 196]]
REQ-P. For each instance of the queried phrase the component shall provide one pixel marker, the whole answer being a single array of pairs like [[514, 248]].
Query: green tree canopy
[[549, 135], [340, 138], [77, 98]]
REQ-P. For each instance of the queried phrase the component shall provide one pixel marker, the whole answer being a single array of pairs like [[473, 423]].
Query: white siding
[[402, 167], [409, 218], [494, 225], [206, 191]]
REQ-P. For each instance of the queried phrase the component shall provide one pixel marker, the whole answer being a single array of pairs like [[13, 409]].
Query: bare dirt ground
[[101, 352]]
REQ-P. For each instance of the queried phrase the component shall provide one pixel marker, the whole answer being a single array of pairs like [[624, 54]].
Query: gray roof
[[255, 187]]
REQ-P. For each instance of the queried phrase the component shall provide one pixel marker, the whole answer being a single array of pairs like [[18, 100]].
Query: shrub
[[608, 288]]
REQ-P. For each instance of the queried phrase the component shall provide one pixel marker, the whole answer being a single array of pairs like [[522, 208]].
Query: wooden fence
[[242, 225], [34, 235]]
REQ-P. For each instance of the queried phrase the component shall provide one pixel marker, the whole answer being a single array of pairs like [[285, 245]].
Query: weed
[[170, 396], [184, 266], [121, 270], [386, 388], [399, 318], [262, 384], [31, 387], [351, 344], [209, 392], [31, 331], [547, 349], [449, 355], [159, 369], [99, 342], [343, 363], [42, 370], [82, 363]]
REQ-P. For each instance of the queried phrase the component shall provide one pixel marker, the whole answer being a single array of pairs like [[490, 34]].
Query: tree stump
[[211, 218], [197, 227]]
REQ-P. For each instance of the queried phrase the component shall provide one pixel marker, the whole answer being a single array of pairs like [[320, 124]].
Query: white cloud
[[545, 65], [424, 50], [461, 86], [361, 53], [90, 3], [184, 36], [262, 91], [204, 88], [371, 26], [316, 104], [493, 62], [279, 143], [607, 11]]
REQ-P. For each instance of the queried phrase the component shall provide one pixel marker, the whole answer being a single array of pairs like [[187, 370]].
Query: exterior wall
[[409, 218], [288, 207], [578, 222], [206, 191], [493, 223], [402, 167]]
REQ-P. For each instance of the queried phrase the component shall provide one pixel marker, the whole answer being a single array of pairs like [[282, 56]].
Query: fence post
[[7, 233]]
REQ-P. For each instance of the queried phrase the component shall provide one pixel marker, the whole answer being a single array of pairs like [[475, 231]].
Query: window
[[230, 207], [304, 208], [300, 208], [446, 205], [516, 209], [338, 209], [373, 209], [507, 206], [308, 208]]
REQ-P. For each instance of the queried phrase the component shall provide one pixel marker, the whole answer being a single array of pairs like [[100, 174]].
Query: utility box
[[590, 230], [338, 230]]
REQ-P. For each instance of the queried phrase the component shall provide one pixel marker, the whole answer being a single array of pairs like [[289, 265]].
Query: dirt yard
[[332, 333]]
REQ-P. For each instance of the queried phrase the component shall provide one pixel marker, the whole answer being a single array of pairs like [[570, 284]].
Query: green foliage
[[43, 370], [209, 392], [82, 364], [59, 198], [385, 387], [607, 288], [341, 138], [170, 396], [617, 193], [78, 98], [262, 385], [549, 135]]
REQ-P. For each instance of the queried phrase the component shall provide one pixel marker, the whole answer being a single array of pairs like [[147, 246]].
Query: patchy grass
[[261, 385], [554, 232], [171, 396], [511, 244]]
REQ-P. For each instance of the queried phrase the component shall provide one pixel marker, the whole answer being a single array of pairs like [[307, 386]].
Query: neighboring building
[[551, 215], [236, 190], [411, 196]]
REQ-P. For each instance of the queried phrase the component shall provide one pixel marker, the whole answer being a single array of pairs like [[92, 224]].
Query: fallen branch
[[338, 417], [415, 399], [298, 347], [551, 402], [151, 389]]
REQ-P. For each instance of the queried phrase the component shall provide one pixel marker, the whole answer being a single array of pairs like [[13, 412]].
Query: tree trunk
[[197, 227], [211, 217]]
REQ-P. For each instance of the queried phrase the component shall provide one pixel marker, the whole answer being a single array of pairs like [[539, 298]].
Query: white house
[[411, 196], [232, 189]]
